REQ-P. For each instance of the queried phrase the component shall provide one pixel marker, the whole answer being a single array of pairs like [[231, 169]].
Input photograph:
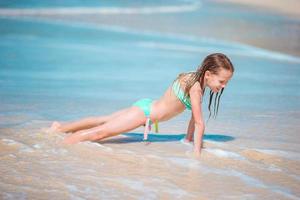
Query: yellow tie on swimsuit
[[148, 128], [156, 126]]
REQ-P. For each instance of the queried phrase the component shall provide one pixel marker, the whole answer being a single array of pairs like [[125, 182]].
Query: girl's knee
[[100, 134], [97, 120]]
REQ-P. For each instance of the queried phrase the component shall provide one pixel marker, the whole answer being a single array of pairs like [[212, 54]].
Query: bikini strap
[[147, 129]]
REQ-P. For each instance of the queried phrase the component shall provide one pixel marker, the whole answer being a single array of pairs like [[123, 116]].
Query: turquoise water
[[55, 69], [65, 3], [48, 63]]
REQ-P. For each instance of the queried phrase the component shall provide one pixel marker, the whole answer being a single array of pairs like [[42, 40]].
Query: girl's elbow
[[192, 120]]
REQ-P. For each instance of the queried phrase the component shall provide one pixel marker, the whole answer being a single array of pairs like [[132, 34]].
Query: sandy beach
[[271, 37], [288, 8]]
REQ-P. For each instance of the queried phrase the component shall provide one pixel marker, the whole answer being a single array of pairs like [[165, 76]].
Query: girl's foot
[[55, 126]]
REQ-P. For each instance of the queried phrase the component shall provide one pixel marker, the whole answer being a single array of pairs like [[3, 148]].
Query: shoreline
[[227, 20], [281, 34], [288, 8]]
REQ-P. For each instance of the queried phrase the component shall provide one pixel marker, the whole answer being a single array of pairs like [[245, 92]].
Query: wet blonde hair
[[213, 63]]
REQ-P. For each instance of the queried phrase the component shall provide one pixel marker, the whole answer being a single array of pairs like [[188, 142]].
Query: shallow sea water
[[54, 69]]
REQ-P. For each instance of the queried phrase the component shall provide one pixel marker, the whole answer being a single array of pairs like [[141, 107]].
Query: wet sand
[[159, 170]]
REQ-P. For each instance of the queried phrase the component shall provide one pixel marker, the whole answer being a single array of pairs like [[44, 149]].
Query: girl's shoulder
[[188, 82], [196, 87], [185, 77]]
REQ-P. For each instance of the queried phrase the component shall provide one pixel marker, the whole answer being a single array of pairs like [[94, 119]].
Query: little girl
[[186, 92]]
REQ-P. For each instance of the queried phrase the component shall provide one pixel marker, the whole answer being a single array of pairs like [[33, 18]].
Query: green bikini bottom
[[145, 105]]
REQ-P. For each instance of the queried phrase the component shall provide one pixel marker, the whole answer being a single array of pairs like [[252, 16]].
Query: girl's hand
[[188, 140]]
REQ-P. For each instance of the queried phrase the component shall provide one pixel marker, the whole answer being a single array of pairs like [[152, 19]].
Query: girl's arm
[[196, 96], [191, 129]]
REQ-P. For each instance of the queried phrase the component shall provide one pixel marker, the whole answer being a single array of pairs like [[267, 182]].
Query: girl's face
[[217, 81]]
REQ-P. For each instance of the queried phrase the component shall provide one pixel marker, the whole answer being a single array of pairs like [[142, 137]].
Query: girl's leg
[[131, 119], [86, 123]]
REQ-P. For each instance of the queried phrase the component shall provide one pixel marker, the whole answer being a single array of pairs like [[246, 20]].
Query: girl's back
[[169, 105]]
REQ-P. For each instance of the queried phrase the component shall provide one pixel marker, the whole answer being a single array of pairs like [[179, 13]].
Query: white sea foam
[[166, 186], [286, 193], [9, 141], [184, 162], [127, 152], [27, 149], [57, 151], [215, 143], [247, 179], [274, 168], [21, 146], [285, 154], [12, 155], [109, 149], [72, 188], [188, 7], [133, 184], [225, 154], [15, 195], [183, 141], [152, 156], [243, 50], [253, 181], [295, 177], [37, 146]]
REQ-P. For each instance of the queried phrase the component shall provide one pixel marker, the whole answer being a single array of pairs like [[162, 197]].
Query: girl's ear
[[207, 74]]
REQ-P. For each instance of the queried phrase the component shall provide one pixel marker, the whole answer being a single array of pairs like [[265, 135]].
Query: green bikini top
[[181, 96]]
